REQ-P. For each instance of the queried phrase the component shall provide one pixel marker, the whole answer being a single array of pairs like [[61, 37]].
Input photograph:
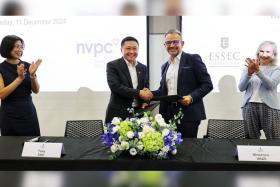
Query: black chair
[[223, 128], [83, 128]]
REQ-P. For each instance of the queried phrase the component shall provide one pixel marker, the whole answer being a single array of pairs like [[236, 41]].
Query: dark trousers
[[187, 128]]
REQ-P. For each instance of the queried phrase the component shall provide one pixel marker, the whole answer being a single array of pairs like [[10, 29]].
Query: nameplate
[[42, 149], [258, 153]]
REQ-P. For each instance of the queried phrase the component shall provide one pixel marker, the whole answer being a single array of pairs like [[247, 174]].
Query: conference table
[[89, 154]]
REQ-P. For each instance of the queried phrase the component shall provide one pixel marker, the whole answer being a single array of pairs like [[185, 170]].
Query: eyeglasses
[[174, 42]]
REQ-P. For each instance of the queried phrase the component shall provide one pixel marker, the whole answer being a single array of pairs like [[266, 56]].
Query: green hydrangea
[[125, 126], [152, 141]]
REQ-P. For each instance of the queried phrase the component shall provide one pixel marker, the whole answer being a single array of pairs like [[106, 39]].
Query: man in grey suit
[[128, 81]]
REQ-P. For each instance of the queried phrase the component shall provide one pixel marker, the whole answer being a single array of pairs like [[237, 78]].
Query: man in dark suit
[[128, 81], [186, 75]]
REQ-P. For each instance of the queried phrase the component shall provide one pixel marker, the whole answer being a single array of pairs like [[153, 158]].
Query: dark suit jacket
[[194, 80], [122, 91]]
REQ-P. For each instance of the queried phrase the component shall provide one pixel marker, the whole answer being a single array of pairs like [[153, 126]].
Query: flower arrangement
[[146, 136]]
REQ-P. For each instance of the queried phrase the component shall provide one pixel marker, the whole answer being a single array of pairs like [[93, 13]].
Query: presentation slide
[[75, 50], [224, 42]]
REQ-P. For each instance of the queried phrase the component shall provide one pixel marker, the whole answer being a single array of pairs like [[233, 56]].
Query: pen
[[34, 139]]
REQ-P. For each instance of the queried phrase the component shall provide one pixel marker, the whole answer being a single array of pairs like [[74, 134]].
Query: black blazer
[[122, 91], [194, 80]]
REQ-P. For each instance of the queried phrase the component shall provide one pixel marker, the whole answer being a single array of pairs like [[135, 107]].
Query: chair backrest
[[83, 128], [223, 128]]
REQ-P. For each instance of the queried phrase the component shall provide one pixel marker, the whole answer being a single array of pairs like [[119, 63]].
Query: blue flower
[[135, 134]]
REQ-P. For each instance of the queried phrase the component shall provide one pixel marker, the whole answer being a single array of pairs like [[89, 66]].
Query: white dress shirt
[[133, 73], [172, 75]]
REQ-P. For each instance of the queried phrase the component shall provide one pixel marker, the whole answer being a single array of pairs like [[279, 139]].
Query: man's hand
[[187, 100], [145, 94], [144, 105]]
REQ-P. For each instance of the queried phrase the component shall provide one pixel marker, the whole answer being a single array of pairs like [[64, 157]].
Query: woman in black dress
[[18, 80]]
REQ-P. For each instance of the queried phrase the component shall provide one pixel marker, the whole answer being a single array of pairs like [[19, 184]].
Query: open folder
[[151, 107], [168, 98]]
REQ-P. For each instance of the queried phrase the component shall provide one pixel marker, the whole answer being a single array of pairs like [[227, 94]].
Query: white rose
[[116, 121], [165, 132], [114, 148], [158, 117], [174, 152], [120, 138], [125, 145], [163, 124], [130, 134], [160, 120], [140, 146], [165, 149], [147, 128], [133, 151], [144, 120], [115, 129], [140, 135]]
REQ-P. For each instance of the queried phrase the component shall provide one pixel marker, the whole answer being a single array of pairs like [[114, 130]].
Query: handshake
[[146, 94]]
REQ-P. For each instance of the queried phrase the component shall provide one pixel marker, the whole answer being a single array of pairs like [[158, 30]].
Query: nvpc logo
[[96, 48]]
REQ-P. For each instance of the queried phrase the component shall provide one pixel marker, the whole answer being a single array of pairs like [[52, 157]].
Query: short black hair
[[129, 38], [7, 45]]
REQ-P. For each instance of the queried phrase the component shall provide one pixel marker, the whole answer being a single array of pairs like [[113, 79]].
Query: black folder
[[151, 107], [168, 98]]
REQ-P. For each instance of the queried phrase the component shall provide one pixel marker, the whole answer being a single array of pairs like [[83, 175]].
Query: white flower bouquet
[[147, 136]]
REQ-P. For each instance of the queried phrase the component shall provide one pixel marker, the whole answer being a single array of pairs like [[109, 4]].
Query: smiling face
[[130, 51], [17, 50], [266, 54], [173, 44]]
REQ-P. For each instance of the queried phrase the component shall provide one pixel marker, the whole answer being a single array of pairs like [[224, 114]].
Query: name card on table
[[42, 149], [258, 153]]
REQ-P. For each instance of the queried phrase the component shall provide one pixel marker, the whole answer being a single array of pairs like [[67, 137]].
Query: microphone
[[34, 139]]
